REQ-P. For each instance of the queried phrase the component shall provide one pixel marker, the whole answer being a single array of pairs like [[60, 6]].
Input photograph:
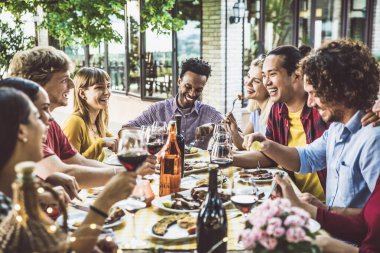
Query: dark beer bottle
[[212, 219], [180, 141]]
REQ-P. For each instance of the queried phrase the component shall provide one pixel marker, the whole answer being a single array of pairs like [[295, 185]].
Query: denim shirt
[[351, 153]]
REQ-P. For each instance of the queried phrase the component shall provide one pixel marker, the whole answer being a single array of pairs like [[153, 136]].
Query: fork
[[233, 104]]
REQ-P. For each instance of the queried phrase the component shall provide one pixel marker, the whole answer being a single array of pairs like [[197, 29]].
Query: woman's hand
[[148, 167], [230, 123], [69, 183], [311, 199], [110, 143], [117, 188], [287, 190]]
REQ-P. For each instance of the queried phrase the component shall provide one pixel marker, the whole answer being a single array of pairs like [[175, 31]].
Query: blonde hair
[[39, 64], [256, 63], [85, 78]]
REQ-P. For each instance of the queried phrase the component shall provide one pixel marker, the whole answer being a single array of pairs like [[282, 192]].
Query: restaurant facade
[[228, 34]]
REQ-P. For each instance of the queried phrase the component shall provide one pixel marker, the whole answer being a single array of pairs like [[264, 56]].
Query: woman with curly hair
[[86, 128]]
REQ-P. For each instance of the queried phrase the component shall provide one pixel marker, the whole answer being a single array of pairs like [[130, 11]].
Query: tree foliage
[[89, 22], [12, 40]]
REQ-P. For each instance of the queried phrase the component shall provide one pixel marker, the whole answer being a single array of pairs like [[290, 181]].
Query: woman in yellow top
[[86, 128]]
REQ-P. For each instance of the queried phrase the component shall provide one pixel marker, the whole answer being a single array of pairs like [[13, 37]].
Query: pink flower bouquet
[[275, 226]]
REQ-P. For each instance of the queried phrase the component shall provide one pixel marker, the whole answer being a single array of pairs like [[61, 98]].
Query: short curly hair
[[39, 64], [198, 66], [343, 71]]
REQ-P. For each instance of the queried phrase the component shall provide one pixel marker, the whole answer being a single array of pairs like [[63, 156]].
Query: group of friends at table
[[314, 112]]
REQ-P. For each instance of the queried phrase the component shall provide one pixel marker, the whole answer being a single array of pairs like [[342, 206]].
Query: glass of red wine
[[132, 152], [162, 127], [155, 139], [244, 192]]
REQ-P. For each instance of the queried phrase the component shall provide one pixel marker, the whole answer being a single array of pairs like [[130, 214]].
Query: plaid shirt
[[5, 206], [278, 129], [165, 110]]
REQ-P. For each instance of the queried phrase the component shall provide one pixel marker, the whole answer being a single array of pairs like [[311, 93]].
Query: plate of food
[[76, 217], [191, 152], [195, 166], [261, 175], [175, 227], [188, 201]]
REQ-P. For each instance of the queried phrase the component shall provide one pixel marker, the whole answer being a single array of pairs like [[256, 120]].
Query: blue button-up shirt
[[351, 153], [165, 110]]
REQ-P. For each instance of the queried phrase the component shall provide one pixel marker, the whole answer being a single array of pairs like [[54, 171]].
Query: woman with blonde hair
[[86, 128], [259, 104]]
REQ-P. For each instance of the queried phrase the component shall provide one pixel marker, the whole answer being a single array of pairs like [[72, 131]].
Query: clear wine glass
[[163, 127], [221, 152], [132, 152], [155, 139], [244, 192]]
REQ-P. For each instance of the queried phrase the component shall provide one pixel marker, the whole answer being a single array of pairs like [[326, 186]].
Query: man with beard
[[196, 116], [342, 80]]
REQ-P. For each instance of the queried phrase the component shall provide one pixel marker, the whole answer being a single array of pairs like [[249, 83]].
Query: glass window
[[328, 21], [357, 20], [278, 23], [304, 37], [376, 32], [134, 43], [158, 65], [189, 38]]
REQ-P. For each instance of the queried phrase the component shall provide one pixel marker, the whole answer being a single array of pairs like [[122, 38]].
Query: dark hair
[[305, 50], [29, 87], [344, 71], [14, 110], [197, 66], [291, 54]]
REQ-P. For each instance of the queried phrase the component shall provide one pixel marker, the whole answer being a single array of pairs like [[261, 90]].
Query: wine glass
[[161, 126], [221, 152], [244, 192], [155, 139], [132, 150]]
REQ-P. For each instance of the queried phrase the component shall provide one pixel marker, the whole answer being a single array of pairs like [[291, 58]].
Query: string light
[[49, 210], [53, 228], [93, 226], [73, 239], [18, 218], [109, 239], [17, 207], [40, 190]]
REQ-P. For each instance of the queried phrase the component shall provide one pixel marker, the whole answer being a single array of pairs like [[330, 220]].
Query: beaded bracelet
[[98, 211]]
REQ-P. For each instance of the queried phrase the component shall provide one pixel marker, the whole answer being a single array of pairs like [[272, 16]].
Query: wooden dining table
[[147, 217]]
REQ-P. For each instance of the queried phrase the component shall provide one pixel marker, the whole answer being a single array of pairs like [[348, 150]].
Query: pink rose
[[269, 243], [278, 232], [294, 220], [248, 239], [295, 234]]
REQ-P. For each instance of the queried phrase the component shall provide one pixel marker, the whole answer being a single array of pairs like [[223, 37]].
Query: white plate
[[174, 233], [158, 202], [196, 170], [193, 154], [271, 170], [113, 160], [78, 216], [313, 225]]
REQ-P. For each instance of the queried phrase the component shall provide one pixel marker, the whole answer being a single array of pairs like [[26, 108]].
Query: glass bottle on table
[[27, 228], [212, 219], [180, 141], [170, 164]]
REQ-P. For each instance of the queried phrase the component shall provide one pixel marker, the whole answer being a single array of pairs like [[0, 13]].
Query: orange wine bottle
[[170, 164]]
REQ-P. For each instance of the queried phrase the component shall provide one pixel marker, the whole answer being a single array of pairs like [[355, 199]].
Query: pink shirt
[[57, 143]]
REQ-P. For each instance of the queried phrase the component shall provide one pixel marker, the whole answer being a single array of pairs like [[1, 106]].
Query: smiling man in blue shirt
[[342, 80]]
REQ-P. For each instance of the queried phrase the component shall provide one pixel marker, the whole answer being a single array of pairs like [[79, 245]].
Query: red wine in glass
[[244, 202], [222, 162], [131, 161], [154, 147]]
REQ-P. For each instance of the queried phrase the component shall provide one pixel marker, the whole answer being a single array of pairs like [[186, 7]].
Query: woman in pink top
[[362, 229]]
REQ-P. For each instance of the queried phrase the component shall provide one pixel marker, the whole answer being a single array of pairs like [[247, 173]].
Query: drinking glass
[[132, 150], [221, 152], [162, 127], [244, 192], [155, 139]]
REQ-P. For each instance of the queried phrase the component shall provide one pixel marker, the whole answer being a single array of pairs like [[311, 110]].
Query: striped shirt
[[165, 110]]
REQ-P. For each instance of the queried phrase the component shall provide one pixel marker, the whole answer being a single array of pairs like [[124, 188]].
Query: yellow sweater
[[79, 136]]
